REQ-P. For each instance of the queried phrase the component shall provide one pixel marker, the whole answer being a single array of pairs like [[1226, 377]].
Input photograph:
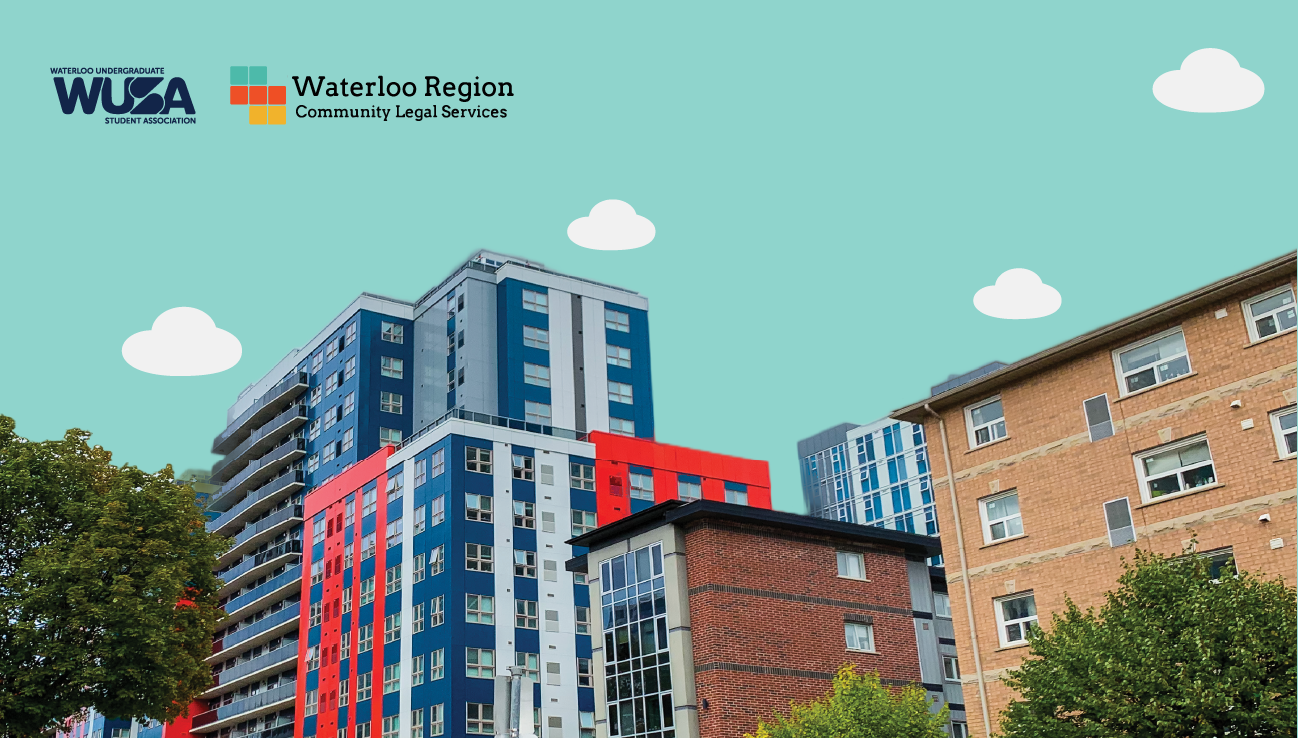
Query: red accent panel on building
[[331, 499], [615, 453]]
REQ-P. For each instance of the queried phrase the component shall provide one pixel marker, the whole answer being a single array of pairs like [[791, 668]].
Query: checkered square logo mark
[[266, 103]]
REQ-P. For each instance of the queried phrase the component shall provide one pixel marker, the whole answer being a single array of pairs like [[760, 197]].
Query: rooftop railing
[[497, 421]]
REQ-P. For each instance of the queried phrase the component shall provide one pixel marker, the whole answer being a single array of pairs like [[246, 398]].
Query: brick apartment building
[[1173, 423], [713, 615]]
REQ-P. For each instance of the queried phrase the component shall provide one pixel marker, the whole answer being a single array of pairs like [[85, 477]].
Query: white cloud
[[1209, 81], [611, 226], [1018, 294], [184, 342]]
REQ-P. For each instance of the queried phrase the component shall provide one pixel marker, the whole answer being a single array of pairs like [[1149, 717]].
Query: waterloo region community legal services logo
[[267, 104], [139, 95]]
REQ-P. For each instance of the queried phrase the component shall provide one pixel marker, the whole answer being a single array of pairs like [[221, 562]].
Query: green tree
[[1170, 654], [107, 592], [859, 707]]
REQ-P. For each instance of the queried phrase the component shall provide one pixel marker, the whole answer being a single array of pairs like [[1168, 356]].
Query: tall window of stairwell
[[634, 628]]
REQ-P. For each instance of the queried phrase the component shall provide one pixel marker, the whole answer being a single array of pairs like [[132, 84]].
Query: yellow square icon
[[257, 115], [278, 114]]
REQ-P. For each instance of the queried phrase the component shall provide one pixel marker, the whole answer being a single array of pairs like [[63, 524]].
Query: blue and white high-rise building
[[501, 338]]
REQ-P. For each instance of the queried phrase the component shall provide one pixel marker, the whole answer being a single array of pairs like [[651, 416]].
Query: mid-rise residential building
[[1172, 425], [710, 616], [434, 566]]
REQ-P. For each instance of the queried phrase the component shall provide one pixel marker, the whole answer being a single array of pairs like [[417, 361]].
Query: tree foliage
[[859, 706], [107, 592], [1170, 654]]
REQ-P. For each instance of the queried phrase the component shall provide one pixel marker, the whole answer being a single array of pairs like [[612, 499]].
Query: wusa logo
[[140, 92], [266, 103]]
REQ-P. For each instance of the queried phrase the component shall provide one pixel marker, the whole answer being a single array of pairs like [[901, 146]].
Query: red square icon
[[257, 95], [277, 95], [239, 95]]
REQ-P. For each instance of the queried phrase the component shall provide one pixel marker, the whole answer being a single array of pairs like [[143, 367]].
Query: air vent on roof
[[954, 381]]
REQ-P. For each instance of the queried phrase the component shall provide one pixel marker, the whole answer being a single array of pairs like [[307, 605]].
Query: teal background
[[830, 183]]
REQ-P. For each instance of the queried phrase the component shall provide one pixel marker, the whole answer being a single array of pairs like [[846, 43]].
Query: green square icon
[[257, 75], [239, 75]]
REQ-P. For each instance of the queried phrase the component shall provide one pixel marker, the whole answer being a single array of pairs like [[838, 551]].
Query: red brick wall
[[779, 639]]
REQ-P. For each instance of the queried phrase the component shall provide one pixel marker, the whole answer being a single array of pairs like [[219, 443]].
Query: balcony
[[265, 407], [499, 422], [251, 670], [267, 629], [251, 536], [236, 608], [248, 707], [257, 502], [248, 568], [257, 472], [261, 440]]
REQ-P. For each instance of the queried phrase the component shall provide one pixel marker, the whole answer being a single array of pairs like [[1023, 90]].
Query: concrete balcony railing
[[261, 440], [247, 569], [248, 537], [246, 707], [257, 502], [263, 408], [235, 607], [232, 677], [268, 627]]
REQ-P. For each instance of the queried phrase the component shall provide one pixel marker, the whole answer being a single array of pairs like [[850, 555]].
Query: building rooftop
[[1130, 327], [678, 512]]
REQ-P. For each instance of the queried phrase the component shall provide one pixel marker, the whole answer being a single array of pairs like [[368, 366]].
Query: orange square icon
[[278, 95], [238, 95], [257, 95]]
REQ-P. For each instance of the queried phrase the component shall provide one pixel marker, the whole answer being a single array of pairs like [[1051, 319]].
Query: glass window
[[436, 613], [436, 665], [688, 489], [941, 604], [642, 486], [393, 579], [524, 514], [618, 356], [437, 561], [392, 367], [536, 374], [477, 460], [531, 664], [537, 302], [619, 392], [1175, 469], [536, 412], [951, 668], [480, 663], [525, 564], [389, 437], [522, 466], [583, 522], [478, 557], [581, 476], [617, 321], [1152, 362], [392, 628], [986, 422], [421, 471], [481, 719], [349, 368], [438, 464], [390, 402], [349, 403], [393, 332], [525, 611], [369, 501], [437, 510], [396, 486], [477, 507], [537, 338], [621, 426], [860, 636], [1001, 517], [1282, 423], [736, 494], [1270, 313], [634, 633], [851, 565], [1013, 617]]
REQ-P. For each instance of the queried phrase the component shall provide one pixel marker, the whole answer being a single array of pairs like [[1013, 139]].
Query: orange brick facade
[[1063, 478], [767, 611]]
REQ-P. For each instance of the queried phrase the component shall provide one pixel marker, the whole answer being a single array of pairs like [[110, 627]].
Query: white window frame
[[477, 459], [480, 606], [987, 523], [638, 490], [951, 667], [972, 430], [475, 509], [617, 391], [1140, 457], [537, 375], [682, 486], [538, 412], [483, 670], [392, 367], [392, 332], [616, 355], [616, 320], [853, 626], [621, 426], [1122, 377], [1279, 433], [1002, 623], [1251, 321], [847, 556], [537, 338], [942, 604], [390, 402], [389, 437], [537, 302]]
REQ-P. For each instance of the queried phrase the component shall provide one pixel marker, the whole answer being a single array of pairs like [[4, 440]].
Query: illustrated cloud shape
[[611, 226], [1017, 295], [1209, 81], [184, 342]]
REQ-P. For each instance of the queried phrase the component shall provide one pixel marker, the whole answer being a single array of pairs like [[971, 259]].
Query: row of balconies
[[265, 407]]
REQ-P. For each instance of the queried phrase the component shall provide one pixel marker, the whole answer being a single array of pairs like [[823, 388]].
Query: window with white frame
[[331, 382], [349, 439], [585, 677], [393, 332], [536, 412], [477, 507], [1001, 517], [621, 426], [582, 620], [1282, 423], [390, 402], [437, 510], [860, 635], [368, 546], [364, 690], [349, 403], [392, 367], [1152, 361], [314, 613], [525, 563], [550, 570], [369, 501], [389, 436], [421, 519], [477, 460], [536, 374], [312, 697], [349, 368], [392, 628], [437, 665], [436, 720], [437, 463], [617, 321], [583, 521], [736, 494], [537, 338], [367, 591], [1176, 468], [481, 663], [581, 476], [537, 302], [365, 639], [316, 395], [619, 392], [689, 488], [437, 611], [523, 467], [417, 618], [317, 361], [481, 718], [985, 421], [1270, 313], [524, 514], [317, 572], [1014, 615], [314, 431], [419, 568], [331, 417], [393, 579], [396, 486], [959, 730], [547, 474], [346, 639], [417, 670], [941, 604], [525, 611], [421, 471], [618, 356], [437, 561], [350, 337], [480, 609], [950, 668], [851, 565], [478, 557]]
